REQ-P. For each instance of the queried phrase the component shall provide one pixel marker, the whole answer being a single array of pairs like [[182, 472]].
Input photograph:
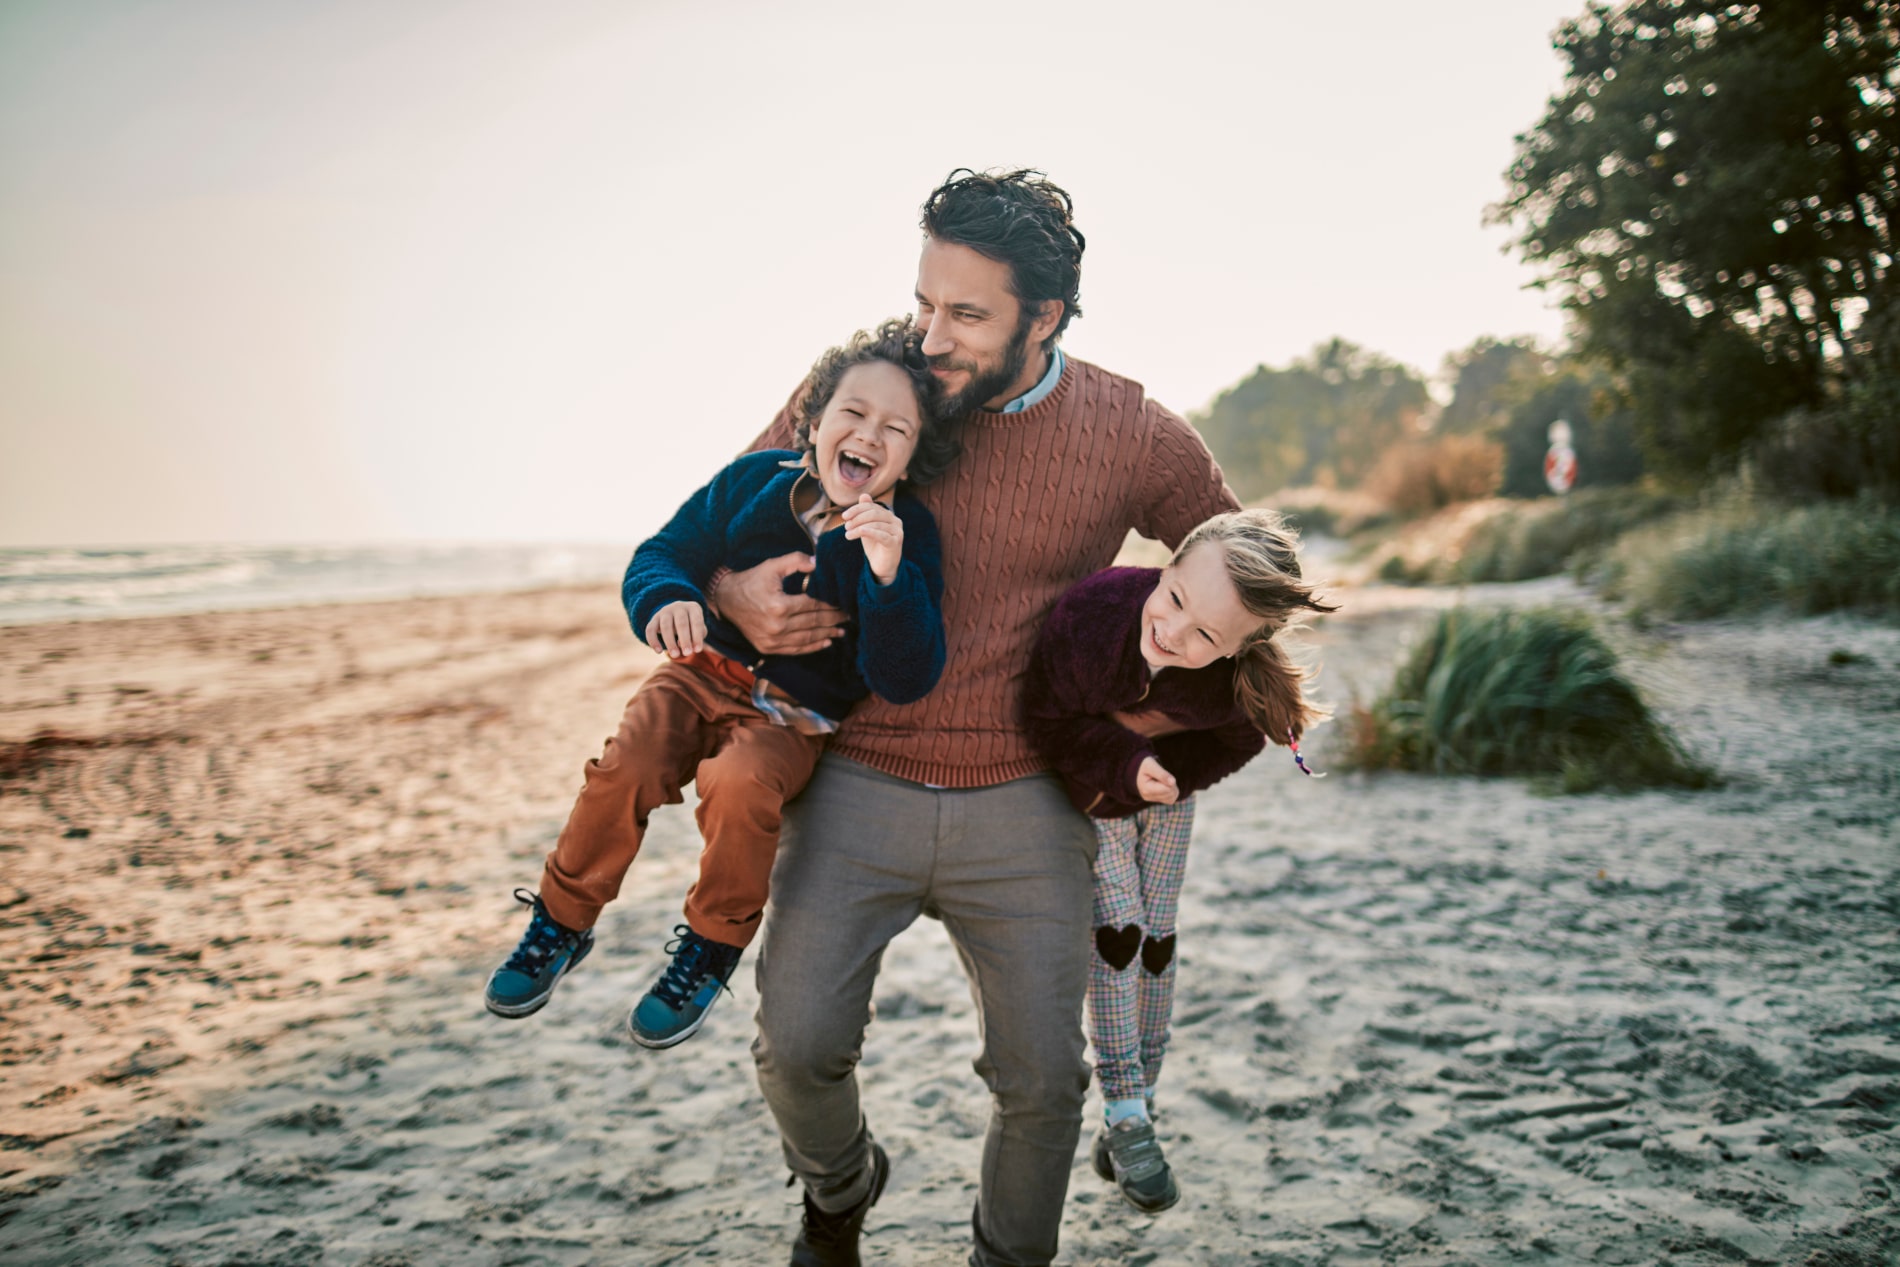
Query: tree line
[[1711, 197]]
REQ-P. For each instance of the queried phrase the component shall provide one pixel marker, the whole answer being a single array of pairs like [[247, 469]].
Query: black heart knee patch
[[1117, 946], [1156, 952]]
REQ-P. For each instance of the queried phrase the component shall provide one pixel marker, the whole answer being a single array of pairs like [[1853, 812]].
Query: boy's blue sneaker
[[674, 1009], [524, 984]]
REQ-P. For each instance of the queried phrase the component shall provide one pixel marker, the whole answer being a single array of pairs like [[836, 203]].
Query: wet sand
[[259, 863]]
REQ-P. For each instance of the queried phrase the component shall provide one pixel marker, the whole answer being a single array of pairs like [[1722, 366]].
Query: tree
[[1482, 378], [1713, 195], [1322, 420]]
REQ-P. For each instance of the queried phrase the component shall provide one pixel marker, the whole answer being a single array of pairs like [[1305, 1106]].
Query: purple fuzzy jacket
[[1087, 664]]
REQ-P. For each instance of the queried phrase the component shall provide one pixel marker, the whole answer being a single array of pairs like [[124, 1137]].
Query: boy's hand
[[773, 621], [678, 629], [1155, 783], [882, 533]]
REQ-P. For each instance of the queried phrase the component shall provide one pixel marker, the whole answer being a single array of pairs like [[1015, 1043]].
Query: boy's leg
[[1013, 886], [854, 861], [1118, 923], [753, 770], [1162, 857], [663, 735]]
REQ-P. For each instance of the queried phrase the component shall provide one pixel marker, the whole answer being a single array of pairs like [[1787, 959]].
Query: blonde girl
[[1147, 685]]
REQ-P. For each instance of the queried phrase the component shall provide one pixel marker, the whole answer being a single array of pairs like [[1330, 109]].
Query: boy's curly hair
[[897, 342]]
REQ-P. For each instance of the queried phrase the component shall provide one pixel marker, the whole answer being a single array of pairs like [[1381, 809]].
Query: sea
[[101, 582]]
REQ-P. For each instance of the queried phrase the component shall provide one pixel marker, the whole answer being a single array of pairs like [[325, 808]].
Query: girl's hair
[[895, 341], [1263, 562]]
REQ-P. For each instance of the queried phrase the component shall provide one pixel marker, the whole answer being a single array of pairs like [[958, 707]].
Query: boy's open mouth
[[854, 470]]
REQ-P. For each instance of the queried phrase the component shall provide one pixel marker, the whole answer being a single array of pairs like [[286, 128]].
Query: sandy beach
[[256, 866]]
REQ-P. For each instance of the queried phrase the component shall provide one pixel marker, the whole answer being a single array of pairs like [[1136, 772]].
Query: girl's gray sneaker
[[1128, 1155]]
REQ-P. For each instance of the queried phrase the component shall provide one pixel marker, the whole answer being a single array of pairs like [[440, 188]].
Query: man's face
[[974, 334]]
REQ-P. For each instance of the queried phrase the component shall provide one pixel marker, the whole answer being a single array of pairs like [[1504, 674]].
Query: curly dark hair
[[1022, 219], [898, 342]]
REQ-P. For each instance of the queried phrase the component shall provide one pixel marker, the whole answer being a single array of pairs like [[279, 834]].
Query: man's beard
[[983, 388]]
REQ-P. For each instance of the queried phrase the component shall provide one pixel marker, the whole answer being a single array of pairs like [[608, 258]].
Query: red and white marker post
[[1560, 463]]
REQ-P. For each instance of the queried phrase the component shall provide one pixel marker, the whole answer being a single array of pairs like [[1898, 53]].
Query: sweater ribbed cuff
[[937, 774]]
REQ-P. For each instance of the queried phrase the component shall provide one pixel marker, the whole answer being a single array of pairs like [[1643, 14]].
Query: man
[[940, 807]]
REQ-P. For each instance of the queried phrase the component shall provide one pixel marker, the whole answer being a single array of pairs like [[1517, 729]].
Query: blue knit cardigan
[[893, 642]]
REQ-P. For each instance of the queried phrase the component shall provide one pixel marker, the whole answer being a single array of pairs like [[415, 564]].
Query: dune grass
[[1553, 535], [1534, 693], [1747, 556]]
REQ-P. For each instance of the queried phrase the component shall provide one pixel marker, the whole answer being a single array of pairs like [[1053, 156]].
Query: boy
[[749, 727]]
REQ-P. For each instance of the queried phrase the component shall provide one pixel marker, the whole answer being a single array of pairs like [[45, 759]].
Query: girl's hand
[[678, 629], [882, 533], [1155, 783]]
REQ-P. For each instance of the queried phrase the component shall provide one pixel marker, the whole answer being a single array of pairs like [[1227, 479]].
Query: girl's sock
[[1118, 1111]]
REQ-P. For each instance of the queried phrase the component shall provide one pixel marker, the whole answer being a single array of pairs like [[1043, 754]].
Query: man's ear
[[1047, 318]]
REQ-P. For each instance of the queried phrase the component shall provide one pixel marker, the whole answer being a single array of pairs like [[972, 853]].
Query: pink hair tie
[[1298, 760]]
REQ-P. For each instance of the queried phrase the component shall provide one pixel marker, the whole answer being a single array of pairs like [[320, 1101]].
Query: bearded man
[[941, 807]]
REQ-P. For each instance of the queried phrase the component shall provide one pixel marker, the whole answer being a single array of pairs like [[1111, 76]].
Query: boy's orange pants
[[684, 723]]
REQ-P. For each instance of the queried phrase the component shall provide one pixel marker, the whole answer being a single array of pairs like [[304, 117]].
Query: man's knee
[[797, 1045], [1038, 1074]]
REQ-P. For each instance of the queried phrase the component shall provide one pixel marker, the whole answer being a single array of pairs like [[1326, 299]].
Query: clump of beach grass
[[1535, 692], [1553, 535], [1749, 555]]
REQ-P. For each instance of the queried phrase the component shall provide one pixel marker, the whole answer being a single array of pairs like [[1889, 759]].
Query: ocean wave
[[71, 583]]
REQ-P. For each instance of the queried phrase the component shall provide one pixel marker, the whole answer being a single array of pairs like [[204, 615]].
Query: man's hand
[[1155, 783], [678, 629], [1150, 725], [775, 622], [882, 533]]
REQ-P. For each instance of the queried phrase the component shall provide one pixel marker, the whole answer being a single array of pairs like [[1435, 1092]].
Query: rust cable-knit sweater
[[1039, 500]]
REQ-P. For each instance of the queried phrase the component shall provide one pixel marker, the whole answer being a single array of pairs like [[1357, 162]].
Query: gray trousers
[[1007, 868]]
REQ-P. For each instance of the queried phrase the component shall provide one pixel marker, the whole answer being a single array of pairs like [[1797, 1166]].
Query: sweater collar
[[1042, 407]]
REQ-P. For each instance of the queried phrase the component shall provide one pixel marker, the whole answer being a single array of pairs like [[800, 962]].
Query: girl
[[1146, 686]]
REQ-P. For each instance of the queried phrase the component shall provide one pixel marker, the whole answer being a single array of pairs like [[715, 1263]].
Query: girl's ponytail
[[1269, 687], [1263, 562]]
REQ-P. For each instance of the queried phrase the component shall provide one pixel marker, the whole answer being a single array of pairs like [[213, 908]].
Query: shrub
[[1548, 536], [1338, 512], [1749, 555], [1850, 444], [1416, 477], [1533, 692]]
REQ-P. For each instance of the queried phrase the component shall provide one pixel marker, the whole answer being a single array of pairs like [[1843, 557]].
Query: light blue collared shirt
[[1034, 396]]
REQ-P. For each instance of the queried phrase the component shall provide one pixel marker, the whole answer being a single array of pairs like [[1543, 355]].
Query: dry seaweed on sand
[[1535, 692]]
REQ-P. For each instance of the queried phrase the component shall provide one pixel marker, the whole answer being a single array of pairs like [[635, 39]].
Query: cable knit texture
[[1039, 500]]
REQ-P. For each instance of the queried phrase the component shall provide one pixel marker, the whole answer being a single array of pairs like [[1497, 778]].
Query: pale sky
[[460, 270]]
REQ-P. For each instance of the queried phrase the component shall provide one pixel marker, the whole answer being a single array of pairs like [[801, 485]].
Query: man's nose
[[934, 344]]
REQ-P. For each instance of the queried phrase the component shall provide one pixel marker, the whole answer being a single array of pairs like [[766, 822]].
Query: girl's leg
[[1113, 1026], [1161, 857]]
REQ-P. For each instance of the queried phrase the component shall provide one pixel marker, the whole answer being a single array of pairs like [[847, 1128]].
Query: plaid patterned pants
[[1138, 873]]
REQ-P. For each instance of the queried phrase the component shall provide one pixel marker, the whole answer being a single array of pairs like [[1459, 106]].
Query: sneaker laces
[[541, 942], [692, 960], [825, 1230]]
